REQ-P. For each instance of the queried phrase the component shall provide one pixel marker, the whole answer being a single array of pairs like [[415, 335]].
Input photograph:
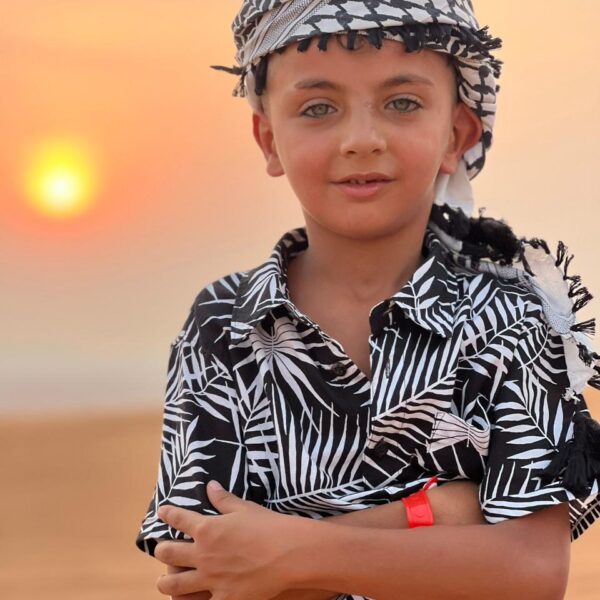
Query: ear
[[263, 134], [466, 132]]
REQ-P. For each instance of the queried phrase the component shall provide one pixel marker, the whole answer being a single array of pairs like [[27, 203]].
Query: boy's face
[[318, 136]]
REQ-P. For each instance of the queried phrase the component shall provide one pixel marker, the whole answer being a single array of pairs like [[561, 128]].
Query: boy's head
[[432, 32], [325, 116]]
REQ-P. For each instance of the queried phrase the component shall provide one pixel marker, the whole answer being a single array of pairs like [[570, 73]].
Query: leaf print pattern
[[450, 429], [529, 417], [202, 432], [468, 382]]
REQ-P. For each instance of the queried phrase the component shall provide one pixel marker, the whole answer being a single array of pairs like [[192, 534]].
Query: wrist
[[317, 547]]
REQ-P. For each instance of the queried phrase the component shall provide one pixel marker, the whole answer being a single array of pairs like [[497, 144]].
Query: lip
[[363, 190], [367, 176]]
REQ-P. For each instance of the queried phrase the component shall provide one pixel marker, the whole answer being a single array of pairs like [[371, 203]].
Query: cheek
[[424, 141], [306, 159], [418, 152]]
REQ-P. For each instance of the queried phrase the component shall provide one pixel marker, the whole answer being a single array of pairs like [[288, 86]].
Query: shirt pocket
[[456, 448]]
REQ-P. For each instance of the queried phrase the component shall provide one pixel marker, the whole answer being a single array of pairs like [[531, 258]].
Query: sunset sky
[[176, 188]]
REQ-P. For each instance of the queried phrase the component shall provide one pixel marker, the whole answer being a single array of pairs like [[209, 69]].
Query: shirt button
[[380, 449], [339, 369]]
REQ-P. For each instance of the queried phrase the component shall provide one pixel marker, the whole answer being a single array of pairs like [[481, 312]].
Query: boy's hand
[[247, 551]]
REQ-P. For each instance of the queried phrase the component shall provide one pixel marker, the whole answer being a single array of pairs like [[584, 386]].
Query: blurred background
[[113, 103]]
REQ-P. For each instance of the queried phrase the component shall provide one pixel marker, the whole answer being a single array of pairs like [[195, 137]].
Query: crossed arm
[[462, 556]]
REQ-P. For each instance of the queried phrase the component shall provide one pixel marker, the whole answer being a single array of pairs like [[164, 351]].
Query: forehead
[[365, 63]]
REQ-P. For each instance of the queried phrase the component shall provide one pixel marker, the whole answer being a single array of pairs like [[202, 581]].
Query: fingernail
[[214, 485]]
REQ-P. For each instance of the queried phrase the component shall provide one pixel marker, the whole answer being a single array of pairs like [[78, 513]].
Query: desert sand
[[74, 491]]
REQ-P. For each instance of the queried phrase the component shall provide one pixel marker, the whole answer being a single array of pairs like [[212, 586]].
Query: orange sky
[[89, 306]]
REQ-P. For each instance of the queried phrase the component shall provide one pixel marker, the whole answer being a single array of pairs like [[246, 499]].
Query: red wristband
[[418, 509]]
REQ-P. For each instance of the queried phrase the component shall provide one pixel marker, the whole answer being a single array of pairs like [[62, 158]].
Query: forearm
[[429, 563], [386, 516], [447, 510]]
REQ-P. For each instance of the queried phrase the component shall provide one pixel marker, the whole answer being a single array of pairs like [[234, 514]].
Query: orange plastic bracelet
[[418, 509]]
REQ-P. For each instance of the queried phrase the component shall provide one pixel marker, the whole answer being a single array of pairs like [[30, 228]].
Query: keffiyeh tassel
[[578, 456], [563, 296]]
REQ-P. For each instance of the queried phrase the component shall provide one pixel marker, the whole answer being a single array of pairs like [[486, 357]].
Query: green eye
[[321, 109], [318, 113], [407, 102]]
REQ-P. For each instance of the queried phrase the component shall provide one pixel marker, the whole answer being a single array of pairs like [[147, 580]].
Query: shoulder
[[503, 325], [211, 311], [216, 299], [497, 294], [485, 283], [507, 328], [517, 297]]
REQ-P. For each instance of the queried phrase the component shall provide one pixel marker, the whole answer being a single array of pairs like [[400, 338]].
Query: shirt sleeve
[[542, 446], [201, 436]]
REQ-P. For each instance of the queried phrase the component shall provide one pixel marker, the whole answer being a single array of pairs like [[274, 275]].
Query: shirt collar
[[429, 298]]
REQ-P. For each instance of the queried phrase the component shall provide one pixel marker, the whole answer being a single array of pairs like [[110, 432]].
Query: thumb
[[221, 499]]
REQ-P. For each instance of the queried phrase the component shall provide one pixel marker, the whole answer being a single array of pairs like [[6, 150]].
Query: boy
[[345, 371]]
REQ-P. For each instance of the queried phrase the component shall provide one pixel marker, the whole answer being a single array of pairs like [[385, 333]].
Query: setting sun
[[60, 180]]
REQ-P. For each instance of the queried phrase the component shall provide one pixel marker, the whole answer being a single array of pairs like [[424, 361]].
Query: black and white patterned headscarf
[[485, 244]]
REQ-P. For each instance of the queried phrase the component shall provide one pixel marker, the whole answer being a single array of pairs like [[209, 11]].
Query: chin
[[363, 228]]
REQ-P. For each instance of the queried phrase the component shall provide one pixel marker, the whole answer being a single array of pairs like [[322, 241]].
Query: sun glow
[[60, 180]]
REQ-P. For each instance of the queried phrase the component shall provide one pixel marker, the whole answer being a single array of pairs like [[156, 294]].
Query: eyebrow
[[323, 84]]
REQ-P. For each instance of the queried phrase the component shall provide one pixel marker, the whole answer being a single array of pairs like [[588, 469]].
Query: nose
[[362, 133]]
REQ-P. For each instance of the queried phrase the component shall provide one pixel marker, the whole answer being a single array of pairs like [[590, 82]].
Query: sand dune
[[75, 490]]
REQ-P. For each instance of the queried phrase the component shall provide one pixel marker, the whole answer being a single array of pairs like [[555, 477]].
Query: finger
[[176, 554], [179, 518], [179, 584]]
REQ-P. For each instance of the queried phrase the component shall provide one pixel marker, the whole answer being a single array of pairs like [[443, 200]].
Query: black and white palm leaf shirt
[[468, 382]]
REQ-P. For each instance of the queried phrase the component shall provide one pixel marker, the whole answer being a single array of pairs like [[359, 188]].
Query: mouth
[[362, 189], [367, 182], [364, 179]]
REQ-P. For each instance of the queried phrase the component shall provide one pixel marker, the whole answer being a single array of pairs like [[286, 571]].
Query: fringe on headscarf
[[415, 36], [482, 237]]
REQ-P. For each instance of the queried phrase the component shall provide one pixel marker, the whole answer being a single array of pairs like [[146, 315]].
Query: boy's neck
[[361, 271]]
